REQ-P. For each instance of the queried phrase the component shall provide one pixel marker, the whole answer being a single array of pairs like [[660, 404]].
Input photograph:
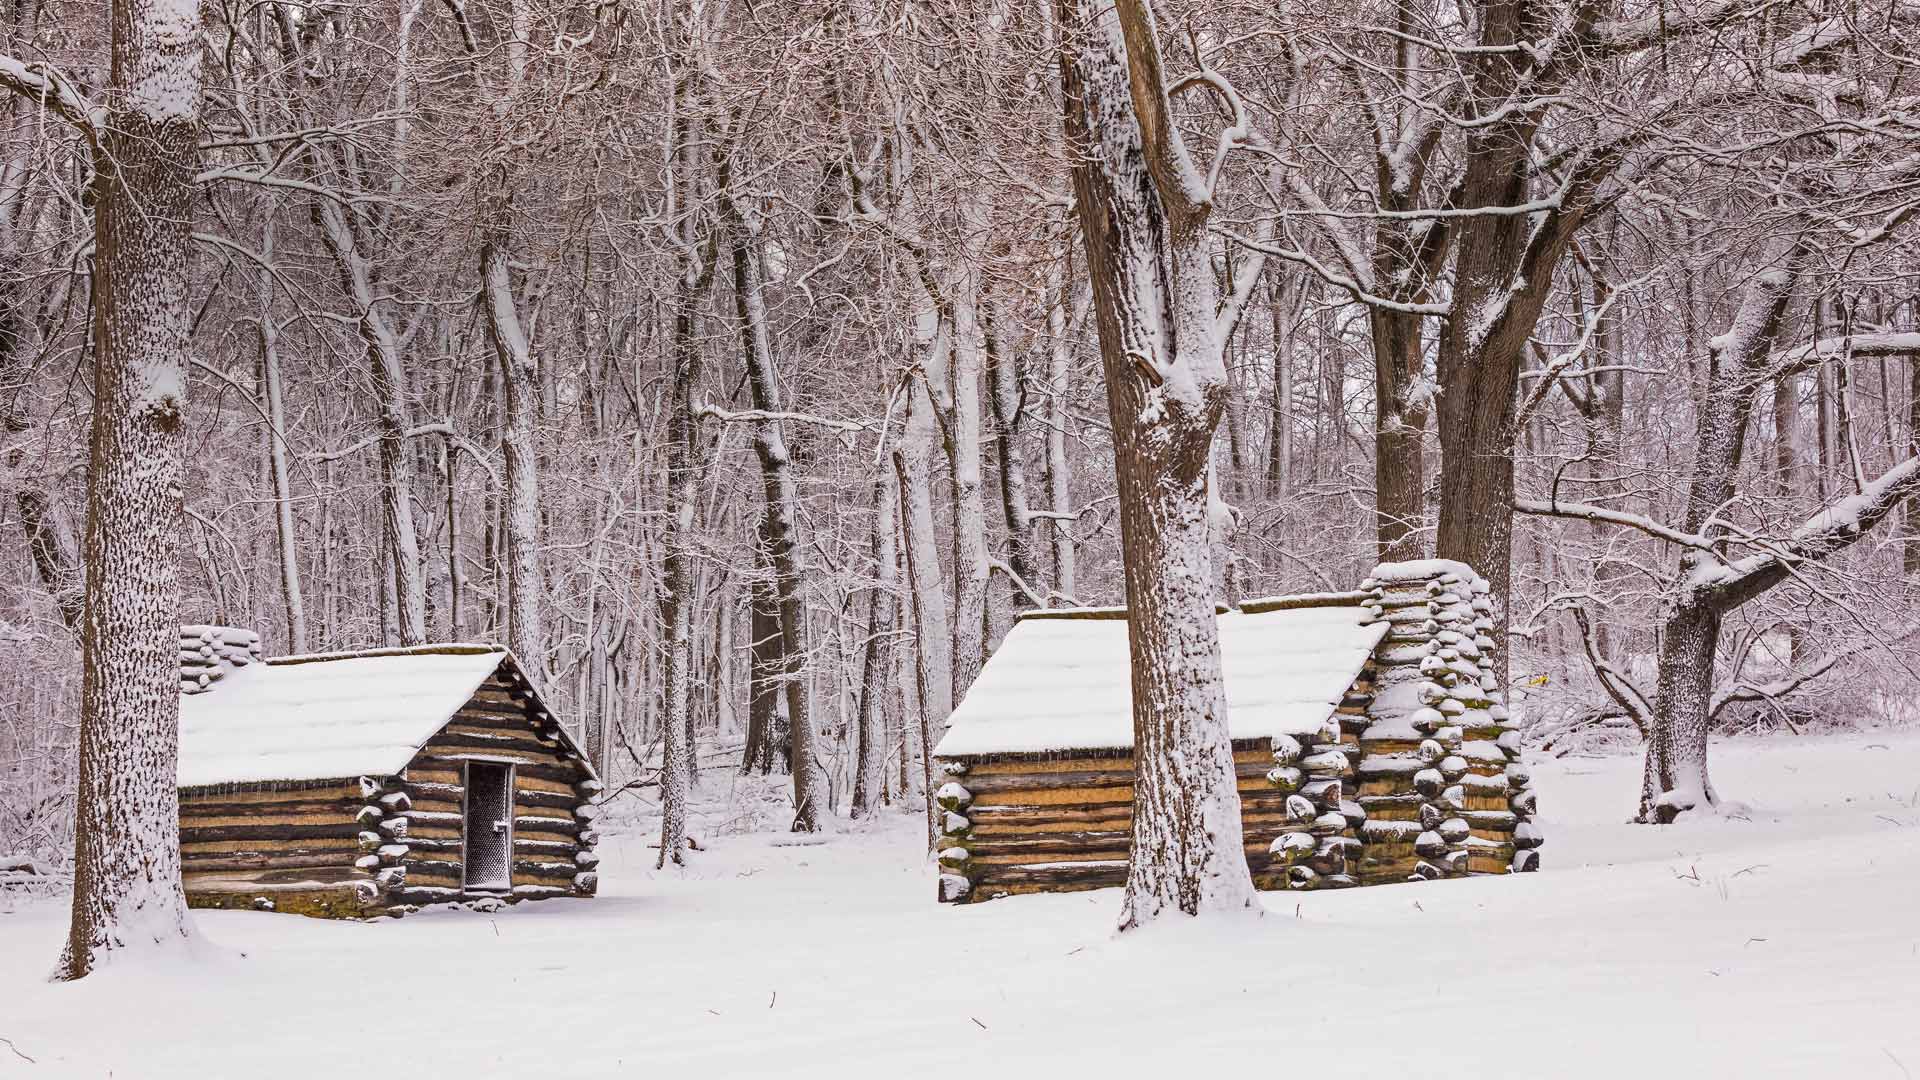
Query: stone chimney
[[207, 653]]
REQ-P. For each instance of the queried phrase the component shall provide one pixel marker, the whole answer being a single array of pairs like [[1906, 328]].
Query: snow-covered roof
[[322, 717], [1063, 684]]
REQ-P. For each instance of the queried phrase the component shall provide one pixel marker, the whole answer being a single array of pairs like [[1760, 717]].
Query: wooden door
[[489, 827]]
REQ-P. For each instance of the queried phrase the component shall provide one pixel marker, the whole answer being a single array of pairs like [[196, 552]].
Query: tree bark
[[276, 410], [782, 518], [870, 750], [519, 423], [1144, 227], [1008, 394], [127, 887]]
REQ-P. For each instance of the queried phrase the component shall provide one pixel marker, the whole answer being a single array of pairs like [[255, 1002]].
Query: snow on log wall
[[1416, 775], [553, 834], [382, 845]]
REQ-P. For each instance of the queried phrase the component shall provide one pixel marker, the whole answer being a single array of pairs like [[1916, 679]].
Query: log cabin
[[1370, 744], [362, 784]]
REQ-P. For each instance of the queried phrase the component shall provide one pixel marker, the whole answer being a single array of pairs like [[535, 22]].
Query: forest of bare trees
[[740, 365]]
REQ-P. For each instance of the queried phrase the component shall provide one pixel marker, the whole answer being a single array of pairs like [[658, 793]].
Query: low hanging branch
[[751, 416]]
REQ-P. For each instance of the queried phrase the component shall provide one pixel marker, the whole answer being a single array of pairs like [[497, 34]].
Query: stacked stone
[[1440, 781], [1321, 846]]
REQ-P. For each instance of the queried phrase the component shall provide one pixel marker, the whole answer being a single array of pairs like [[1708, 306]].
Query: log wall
[[553, 836], [1416, 776], [286, 847], [366, 846], [1056, 823]]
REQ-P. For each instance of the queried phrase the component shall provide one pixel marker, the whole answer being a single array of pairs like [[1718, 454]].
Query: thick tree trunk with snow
[[1142, 211], [127, 841], [1399, 436]]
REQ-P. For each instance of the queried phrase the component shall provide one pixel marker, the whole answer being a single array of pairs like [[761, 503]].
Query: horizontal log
[[1087, 875], [413, 893], [434, 830], [528, 747], [339, 791], [309, 846], [269, 832], [244, 879], [215, 821], [550, 799], [560, 881], [291, 803], [504, 716], [544, 824], [441, 754], [545, 868], [201, 863], [448, 771], [434, 872], [1079, 796]]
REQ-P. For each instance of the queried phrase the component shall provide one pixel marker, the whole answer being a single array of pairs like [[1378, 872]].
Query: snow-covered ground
[[1784, 944]]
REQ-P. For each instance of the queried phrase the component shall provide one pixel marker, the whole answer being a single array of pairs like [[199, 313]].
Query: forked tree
[[143, 131], [1143, 205]]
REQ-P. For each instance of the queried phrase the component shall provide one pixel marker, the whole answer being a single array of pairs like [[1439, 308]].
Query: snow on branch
[[744, 416], [1606, 516], [1619, 36], [1787, 363], [45, 84], [1827, 531]]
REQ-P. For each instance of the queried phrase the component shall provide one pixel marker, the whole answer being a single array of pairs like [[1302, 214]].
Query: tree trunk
[[1059, 470], [519, 422], [933, 630], [782, 518], [1280, 437], [1155, 295], [1675, 777], [876, 661], [1910, 551], [1399, 434], [276, 411], [1008, 395], [971, 563], [766, 660], [127, 887], [676, 590]]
